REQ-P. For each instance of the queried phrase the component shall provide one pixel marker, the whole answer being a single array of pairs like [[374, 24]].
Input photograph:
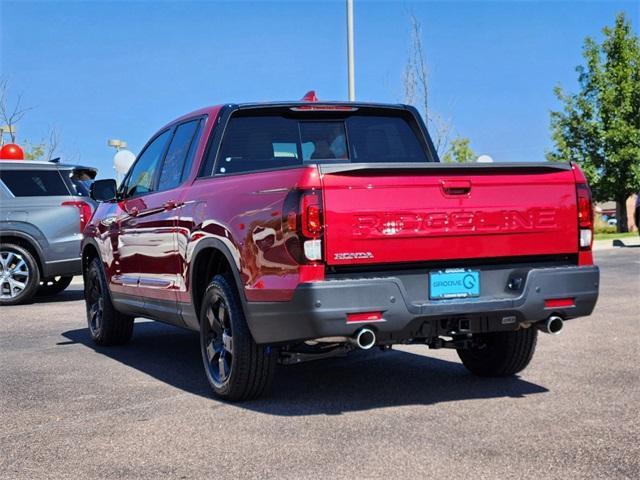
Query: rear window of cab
[[271, 141]]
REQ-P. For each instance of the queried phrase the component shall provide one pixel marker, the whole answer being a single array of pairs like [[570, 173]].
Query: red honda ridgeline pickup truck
[[285, 232]]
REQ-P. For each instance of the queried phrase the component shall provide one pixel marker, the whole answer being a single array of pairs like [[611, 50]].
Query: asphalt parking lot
[[71, 410]]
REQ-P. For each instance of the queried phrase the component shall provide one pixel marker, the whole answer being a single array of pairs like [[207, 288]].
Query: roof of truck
[[214, 109]]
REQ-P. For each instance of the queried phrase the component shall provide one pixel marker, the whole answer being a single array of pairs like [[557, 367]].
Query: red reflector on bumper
[[558, 302], [364, 317]]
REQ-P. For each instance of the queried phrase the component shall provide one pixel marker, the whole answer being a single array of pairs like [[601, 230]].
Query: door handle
[[172, 204], [133, 212], [456, 187]]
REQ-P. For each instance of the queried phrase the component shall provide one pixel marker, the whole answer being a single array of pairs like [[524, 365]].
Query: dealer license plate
[[454, 283]]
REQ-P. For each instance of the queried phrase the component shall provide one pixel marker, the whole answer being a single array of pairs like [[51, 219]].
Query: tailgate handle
[[456, 187]]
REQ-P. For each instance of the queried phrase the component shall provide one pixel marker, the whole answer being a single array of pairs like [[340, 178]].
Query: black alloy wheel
[[218, 341]]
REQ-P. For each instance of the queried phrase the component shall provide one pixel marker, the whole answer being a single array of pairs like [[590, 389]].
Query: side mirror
[[103, 190]]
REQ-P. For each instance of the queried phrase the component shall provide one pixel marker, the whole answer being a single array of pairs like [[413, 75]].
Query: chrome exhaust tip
[[364, 338], [553, 325]]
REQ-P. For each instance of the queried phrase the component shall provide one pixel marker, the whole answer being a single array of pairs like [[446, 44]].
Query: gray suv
[[44, 207]]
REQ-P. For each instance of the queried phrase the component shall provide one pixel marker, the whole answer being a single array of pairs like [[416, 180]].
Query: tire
[[501, 354], [106, 325], [53, 286], [19, 274], [235, 366]]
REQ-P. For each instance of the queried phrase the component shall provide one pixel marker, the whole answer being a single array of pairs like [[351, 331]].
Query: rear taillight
[[84, 209], [303, 221], [585, 216], [311, 211]]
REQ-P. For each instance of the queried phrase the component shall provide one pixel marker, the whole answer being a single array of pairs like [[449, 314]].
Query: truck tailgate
[[412, 213]]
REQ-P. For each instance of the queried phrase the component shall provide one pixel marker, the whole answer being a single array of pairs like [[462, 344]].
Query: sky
[[98, 70]]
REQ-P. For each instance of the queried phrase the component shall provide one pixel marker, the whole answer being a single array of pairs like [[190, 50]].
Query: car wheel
[[107, 326], [236, 367], [19, 274], [53, 286], [500, 354]]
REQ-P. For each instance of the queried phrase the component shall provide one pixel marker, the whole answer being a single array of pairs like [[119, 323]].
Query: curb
[[617, 243]]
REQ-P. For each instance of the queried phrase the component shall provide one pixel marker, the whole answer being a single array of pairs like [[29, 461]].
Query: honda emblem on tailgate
[[352, 255]]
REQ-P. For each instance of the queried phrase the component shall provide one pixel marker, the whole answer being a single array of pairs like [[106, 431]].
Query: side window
[[140, 179], [34, 183], [177, 161]]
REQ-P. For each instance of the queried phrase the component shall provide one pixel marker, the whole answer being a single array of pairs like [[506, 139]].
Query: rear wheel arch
[[20, 273], [26, 242], [211, 258], [89, 252]]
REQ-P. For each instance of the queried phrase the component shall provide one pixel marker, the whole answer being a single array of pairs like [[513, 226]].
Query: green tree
[[459, 151], [34, 151], [599, 127]]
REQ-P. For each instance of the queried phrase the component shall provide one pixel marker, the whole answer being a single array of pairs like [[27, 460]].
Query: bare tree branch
[[409, 83], [441, 132], [74, 157], [11, 115], [419, 62], [53, 143], [415, 82]]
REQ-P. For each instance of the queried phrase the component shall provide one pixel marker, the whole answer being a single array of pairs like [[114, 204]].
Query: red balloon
[[11, 151]]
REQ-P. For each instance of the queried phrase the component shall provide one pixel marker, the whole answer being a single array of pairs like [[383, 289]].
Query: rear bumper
[[320, 309]]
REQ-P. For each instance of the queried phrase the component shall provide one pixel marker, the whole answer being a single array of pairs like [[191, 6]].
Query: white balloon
[[484, 159], [122, 161]]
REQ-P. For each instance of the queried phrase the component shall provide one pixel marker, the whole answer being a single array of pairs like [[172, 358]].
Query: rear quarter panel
[[244, 212]]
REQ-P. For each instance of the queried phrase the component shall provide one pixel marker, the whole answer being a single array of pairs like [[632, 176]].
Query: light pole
[[123, 159], [9, 130], [117, 144], [350, 61]]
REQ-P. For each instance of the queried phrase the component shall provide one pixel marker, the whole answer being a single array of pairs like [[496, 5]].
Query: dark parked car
[[295, 231], [43, 209]]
